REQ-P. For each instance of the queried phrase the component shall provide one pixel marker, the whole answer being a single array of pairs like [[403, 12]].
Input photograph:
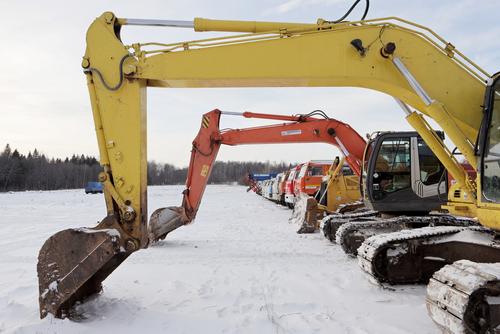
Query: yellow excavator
[[421, 70]]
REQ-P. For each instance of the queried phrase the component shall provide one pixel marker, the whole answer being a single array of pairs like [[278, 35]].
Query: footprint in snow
[[222, 312]]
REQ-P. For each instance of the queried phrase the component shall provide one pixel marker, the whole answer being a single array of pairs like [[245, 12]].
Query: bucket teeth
[[72, 264], [165, 220]]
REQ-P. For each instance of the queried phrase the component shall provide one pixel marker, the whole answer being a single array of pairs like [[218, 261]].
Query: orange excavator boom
[[299, 129]]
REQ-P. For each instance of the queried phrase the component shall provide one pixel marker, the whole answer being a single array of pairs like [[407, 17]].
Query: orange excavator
[[72, 281], [298, 129]]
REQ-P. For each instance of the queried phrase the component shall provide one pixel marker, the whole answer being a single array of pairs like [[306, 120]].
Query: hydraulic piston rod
[[201, 24], [157, 23]]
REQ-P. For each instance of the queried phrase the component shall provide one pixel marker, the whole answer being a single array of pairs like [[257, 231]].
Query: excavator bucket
[[72, 264], [305, 214], [165, 220]]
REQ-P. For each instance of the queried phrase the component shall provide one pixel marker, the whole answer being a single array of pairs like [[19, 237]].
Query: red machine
[[281, 187], [290, 185], [299, 129], [310, 177], [252, 184]]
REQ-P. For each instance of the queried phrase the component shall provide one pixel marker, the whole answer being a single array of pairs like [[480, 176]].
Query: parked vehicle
[[308, 180], [93, 188], [275, 197], [281, 187], [255, 181], [269, 190], [289, 186]]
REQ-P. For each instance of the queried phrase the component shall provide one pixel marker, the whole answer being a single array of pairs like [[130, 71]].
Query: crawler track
[[464, 297], [352, 234], [412, 256], [331, 223]]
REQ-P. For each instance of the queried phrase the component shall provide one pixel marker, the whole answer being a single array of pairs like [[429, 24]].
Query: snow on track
[[240, 268]]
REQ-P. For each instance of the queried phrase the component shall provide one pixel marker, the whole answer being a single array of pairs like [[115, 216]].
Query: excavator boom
[[410, 62], [301, 129]]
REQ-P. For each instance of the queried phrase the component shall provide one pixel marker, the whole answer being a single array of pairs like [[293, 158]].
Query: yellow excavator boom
[[405, 60], [446, 86]]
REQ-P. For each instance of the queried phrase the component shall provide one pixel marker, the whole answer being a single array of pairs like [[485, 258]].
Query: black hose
[[351, 9], [316, 112], [367, 7], [120, 82]]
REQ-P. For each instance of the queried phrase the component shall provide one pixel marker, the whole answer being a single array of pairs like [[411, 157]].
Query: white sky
[[43, 94]]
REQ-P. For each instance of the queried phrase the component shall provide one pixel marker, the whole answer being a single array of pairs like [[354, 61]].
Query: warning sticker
[[205, 122], [204, 170]]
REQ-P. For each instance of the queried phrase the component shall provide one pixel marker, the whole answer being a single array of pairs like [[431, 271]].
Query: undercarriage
[[464, 297], [460, 263], [352, 233]]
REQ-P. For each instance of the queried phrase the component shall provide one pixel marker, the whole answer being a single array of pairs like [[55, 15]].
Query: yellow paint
[[201, 24], [443, 154], [293, 55], [341, 189], [205, 122], [204, 170]]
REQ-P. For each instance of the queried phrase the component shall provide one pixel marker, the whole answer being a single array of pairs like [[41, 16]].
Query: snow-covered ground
[[240, 268]]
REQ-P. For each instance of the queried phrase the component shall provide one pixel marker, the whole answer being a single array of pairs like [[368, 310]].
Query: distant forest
[[36, 171]]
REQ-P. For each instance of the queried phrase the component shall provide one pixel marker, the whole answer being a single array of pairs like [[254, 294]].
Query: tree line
[[36, 171]]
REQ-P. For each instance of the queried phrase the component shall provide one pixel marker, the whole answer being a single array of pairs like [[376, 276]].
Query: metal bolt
[[119, 156], [388, 50], [129, 215], [85, 62], [129, 69], [109, 17], [102, 177], [130, 246]]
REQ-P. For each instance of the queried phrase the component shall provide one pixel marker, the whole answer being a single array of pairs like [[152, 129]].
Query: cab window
[[316, 171], [392, 167], [431, 169], [491, 157]]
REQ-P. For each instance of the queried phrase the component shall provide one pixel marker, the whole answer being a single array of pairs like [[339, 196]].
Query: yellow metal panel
[[120, 119], [311, 58], [201, 24], [326, 58], [342, 190], [487, 213]]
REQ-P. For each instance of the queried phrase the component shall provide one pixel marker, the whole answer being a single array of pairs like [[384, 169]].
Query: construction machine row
[[409, 208]]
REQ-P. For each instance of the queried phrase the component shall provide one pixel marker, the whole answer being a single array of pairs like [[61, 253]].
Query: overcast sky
[[43, 94]]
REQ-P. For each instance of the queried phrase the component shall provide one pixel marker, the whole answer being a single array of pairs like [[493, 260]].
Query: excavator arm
[[298, 129]]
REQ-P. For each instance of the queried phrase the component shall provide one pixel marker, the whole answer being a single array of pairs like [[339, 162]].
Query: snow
[[112, 232], [240, 268], [297, 217]]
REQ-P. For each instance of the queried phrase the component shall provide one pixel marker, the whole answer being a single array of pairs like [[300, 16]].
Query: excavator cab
[[401, 174]]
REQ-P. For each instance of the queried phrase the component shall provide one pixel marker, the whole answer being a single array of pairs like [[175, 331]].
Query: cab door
[[403, 175]]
